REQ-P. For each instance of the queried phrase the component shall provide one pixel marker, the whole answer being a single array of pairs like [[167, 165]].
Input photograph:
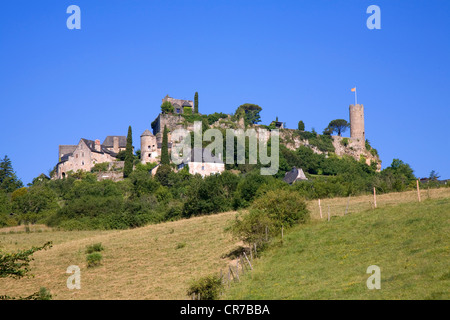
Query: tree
[[250, 112], [165, 160], [196, 103], [301, 126], [167, 107], [17, 265], [128, 166], [8, 179], [434, 175], [339, 126]]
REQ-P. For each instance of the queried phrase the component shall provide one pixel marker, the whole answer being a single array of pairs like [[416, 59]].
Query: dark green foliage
[[17, 265], [129, 158], [339, 126], [94, 259], [167, 107], [121, 155], [162, 174], [269, 213], [196, 103], [301, 126], [96, 247], [33, 203], [250, 113], [207, 287], [165, 159], [323, 142], [8, 179], [345, 142], [100, 167]]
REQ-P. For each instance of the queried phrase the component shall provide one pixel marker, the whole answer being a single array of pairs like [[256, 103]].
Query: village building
[[294, 175], [203, 162], [87, 153]]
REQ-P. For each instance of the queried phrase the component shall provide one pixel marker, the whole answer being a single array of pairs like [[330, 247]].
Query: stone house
[[87, 153], [294, 175], [178, 104], [201, 161]]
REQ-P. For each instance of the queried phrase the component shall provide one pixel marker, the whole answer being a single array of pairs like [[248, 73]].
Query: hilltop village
[[179, 113]]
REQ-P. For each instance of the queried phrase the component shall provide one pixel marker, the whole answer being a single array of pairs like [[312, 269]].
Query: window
[[76, 156], [149, 148]]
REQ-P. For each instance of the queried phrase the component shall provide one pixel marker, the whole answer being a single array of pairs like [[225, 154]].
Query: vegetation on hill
[[328, 260], [82, 202]]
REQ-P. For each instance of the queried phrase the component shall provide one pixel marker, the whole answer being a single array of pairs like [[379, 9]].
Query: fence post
[[281, 233], [255, 251], [328, 213], [418, 190], [267, 239], [346, 209], [251, 267], [320, 210], [237, 270], [374, 198]]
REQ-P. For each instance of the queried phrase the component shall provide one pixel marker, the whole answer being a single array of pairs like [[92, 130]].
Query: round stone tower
[[357, 130], [148, 147]]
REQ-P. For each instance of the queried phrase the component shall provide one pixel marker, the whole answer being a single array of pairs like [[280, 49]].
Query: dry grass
[[153, 262], [144, 263], [356, 204]]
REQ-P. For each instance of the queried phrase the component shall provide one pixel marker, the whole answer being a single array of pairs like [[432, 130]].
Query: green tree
[[301, 126], [128, 166], [250, 112], [8, 179], [196, 103], [167, 107], [165, 148], [339, 126]]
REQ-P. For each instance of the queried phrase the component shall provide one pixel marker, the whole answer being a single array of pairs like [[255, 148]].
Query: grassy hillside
[[328, 260], [153, 262], [159, 261]]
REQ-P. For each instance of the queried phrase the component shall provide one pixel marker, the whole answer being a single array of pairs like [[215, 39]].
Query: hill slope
[[153, 262], [328, 260]]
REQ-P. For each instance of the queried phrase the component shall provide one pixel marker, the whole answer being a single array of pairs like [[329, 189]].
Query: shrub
[[345, 142], [283, 207], [208, 287], [96, 247], [94, 259]]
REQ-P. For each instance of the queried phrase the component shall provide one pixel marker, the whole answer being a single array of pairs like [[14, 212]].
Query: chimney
[[97, 145], [116, 144]]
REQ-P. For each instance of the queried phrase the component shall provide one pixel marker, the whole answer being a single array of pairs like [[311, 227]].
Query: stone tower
[[148, 147], [357, 131]]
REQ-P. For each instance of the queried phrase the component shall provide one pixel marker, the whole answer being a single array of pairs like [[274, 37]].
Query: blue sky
[[298, 60]]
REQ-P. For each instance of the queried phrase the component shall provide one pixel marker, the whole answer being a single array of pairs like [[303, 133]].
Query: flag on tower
[[354, 89]]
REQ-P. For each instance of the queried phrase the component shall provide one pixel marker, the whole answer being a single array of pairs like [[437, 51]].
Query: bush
[[94, 259], [283, 207], [96, 247], [208, 287], [345, 142]]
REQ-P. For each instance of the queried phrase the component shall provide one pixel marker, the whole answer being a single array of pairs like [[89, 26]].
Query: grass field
[[328, 260], [159, 261]]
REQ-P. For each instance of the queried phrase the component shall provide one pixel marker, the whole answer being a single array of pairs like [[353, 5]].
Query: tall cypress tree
[[165, 147], [8, 179], [129, 158], [196, 102]]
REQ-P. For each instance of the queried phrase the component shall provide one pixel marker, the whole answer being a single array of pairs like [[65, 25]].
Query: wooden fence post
[[320, 210], [328, 213], [418, 190], [251, 267], [374, 198], [346, 209], [256, 254], [281, 233], [237, 270]]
